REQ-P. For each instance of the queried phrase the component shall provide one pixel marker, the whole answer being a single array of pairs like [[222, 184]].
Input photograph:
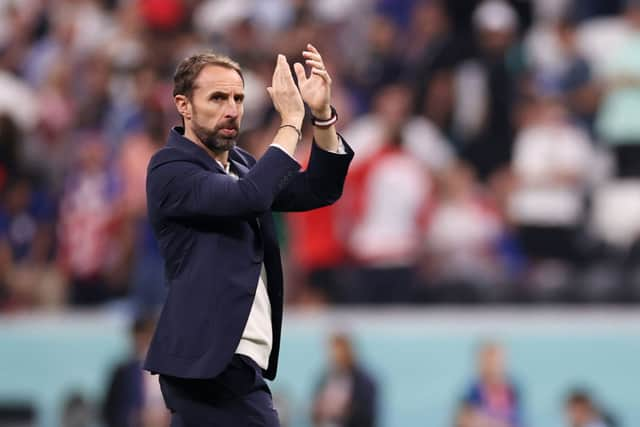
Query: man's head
[[342, 355], [580, 408], [496, 23], [208, 92], [491, 363], [392, 104]]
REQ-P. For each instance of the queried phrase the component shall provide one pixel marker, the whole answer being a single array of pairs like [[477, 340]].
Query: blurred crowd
[[493, 398], [347, 393], [497, 145]]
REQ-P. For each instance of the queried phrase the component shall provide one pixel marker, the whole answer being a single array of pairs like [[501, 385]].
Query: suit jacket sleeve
[[183, 188], [320, 185]]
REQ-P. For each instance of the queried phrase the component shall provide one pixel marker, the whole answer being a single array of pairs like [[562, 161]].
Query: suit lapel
[[241, 170]]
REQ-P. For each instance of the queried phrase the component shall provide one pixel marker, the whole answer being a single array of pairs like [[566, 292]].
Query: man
[[210, 207], [347, 394], [493, 395], [133, 397], [581, 410]]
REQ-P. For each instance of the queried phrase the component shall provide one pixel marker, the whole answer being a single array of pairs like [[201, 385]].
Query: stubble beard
[[213, 139]]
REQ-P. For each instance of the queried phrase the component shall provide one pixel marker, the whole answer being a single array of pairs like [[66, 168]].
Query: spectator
[[484, 121], [465, 416], [617, 123], [493, 394], [448, 77], [88, 227], [134, 398], [78, 411], [379, 64], [432, 48], [25, 216], [147, 278], [557, 61], [582, 412], [461, 260], [552, 161], [391, 115], [385, 224], [575, 80], [469, 416], [95, 102], [347, 394], [23, 113], [318, 249], [27, 242], [48, 147]]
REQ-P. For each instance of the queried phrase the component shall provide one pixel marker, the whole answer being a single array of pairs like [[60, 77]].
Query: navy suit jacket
[[214, 232]]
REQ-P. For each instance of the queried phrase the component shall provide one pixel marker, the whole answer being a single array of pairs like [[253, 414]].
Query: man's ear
[[183, 105]]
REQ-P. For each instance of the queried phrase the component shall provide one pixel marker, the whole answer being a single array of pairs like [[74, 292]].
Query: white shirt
[[388, 231], [541, 153], [257, 338]]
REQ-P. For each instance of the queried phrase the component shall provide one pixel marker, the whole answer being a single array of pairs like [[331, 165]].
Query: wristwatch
[[325, 123]]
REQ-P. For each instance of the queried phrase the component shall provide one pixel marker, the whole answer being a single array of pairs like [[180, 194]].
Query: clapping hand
[[285, 95], [315, 89]]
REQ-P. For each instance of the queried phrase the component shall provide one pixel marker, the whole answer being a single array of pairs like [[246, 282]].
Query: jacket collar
[[238, 166], [179, 141]]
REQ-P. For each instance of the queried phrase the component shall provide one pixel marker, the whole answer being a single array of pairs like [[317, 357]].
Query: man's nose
[[232, 109]]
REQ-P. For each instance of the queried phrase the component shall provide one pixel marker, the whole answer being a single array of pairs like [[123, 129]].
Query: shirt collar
[[226, 168]]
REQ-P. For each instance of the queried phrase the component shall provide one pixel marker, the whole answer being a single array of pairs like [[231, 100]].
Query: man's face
[[340, 354], [215, 109], [492, 365], [577, 414]]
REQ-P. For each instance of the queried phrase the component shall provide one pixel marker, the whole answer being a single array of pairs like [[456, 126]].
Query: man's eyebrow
[[218, 93], [225, 94]]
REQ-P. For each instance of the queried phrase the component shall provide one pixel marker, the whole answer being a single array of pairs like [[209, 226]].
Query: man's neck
[[220, 156]]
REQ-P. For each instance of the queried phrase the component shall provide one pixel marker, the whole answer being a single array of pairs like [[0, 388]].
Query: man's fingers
[[284, 71], [312, 48], [322, 73], [300, 73], [311, 55], [283, 81], [315, 64], [280, 76], [281, 66]]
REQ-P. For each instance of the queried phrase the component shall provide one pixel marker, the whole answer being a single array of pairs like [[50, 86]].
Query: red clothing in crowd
[[315, 241]]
